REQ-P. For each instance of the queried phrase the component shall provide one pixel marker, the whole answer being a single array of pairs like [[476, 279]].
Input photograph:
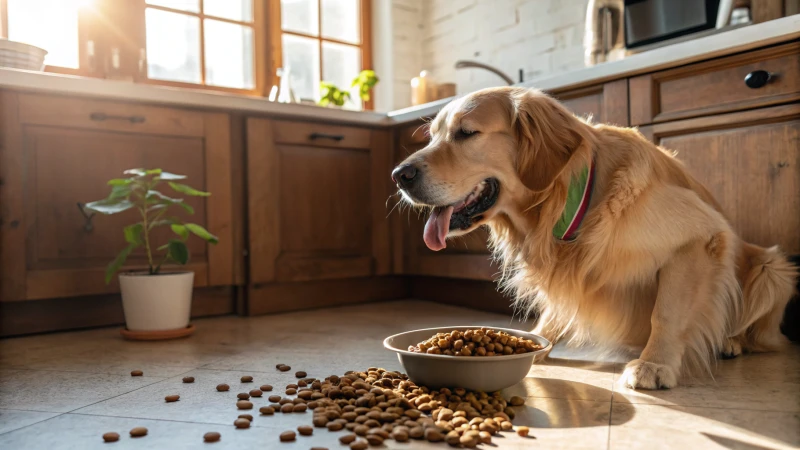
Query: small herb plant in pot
[[153, 299]]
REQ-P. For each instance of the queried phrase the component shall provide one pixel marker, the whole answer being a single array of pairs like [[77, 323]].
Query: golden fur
[[656, 265]]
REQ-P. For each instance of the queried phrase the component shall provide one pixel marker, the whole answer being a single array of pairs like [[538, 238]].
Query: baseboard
[[475, 294], [61, 314], [284, 297]]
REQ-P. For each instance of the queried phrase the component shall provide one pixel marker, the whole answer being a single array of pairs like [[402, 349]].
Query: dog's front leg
[[685, 284]]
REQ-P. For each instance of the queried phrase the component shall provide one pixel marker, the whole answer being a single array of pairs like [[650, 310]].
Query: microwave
[[651, 21]]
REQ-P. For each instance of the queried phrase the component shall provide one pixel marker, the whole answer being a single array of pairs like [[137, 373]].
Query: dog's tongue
[[437, 227]]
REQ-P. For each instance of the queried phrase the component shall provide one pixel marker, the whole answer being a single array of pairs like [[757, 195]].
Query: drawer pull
[[99, 117], [333, 137], [758, 79]]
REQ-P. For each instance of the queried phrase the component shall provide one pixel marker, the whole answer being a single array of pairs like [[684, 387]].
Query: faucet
[[464, 64]]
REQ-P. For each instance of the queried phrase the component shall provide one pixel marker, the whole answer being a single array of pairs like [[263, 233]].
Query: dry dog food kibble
[[300, 407], [305, 430], [241, 423], [479, 342], [172, 398], [246, 416], [347, 438], [359, 445], [223, 387], [247, 379], [517, 401], [256, 393], [266, 388], [523, 431], [212, 436], [244, 404], [267, 410], [300, 374], [287, 408], [243, 396], [274, 398], [291, 391], [136, 373], [188, 379], [284, 368], [138, 432], [288, 436], [111, 437]]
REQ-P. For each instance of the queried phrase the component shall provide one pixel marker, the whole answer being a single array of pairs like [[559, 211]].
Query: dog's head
[[489, 152]]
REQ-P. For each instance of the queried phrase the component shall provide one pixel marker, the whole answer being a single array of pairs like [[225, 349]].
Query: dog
[[600, 231]]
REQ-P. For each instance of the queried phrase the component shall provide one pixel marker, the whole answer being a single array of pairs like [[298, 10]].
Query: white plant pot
[[156, 302]]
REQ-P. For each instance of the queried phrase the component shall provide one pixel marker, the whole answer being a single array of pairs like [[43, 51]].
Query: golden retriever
[[654, 264]]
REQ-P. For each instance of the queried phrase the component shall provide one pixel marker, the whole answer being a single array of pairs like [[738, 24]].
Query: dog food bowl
[[478, 373]]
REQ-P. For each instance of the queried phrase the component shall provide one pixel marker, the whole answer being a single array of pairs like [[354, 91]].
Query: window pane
[[301, 57], [173, 46], [341, 20], [229, 54], [340, 64], [183, 5], [55, 31], [241, 10], [301, 16]]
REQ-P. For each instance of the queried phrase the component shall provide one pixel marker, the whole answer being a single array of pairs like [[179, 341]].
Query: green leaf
[[109, 206], [137, 172], [170, 176], [158, 196], [120, 182], [188, 190], [152, 172], [133, 234], [119, 191], [163, 247], [115, 265], [180, 230], [157, 207], [178, 251], [202, 233]]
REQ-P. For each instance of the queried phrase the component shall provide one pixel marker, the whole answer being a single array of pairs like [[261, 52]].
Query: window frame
[[267, 42]]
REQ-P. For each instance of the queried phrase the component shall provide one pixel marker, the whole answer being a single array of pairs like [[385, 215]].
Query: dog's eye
[[463, 133]]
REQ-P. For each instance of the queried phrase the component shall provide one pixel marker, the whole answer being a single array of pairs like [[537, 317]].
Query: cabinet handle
[[333, 137], [99, 117], [758, 79]]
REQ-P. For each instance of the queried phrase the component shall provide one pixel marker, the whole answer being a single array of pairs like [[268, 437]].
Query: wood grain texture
[[475, 294], [716, 86], [73, 112], [219, 207], [303, 133], [60, 314], [238, 183], [750, 162], [320, 267], [12, 211], [284, 297], [380, 188], [766, 10], [263, 185], [615, 108]]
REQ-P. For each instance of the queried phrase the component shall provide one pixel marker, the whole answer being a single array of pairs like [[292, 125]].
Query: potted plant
[[153, 299], [333, 97]]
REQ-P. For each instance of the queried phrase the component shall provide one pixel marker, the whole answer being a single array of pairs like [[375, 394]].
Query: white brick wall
[[537, 36]]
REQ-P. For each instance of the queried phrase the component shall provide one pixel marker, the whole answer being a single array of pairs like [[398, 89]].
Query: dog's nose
[[404, 176]]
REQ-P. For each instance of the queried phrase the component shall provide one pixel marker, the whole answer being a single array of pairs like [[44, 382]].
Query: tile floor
[[63, 391]]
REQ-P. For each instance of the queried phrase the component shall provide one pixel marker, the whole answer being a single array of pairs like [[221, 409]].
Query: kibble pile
[[376, 405], [479, 342]]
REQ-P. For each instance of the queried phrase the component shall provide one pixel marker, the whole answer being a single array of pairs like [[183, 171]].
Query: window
[[208, 42], [322, 41], [233, 45]]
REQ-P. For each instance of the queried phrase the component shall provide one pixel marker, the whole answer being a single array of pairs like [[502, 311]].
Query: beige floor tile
[[12, 419], [567, 379], [765, 381], [675, 427], [54, 391]]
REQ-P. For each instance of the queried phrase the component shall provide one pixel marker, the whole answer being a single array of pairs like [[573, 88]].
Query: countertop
[[725, 43]]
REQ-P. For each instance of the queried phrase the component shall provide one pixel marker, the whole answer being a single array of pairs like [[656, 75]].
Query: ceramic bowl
[[479, 373]]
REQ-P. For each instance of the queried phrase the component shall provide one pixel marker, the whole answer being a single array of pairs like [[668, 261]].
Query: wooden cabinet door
[[749, 161], [604, 103], [317, 201], [53, 164]]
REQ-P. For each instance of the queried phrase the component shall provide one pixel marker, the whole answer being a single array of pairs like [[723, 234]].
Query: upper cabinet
[[57, 153], [317, 197]]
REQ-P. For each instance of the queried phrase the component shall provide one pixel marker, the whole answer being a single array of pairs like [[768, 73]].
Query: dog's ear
[[548, 136]]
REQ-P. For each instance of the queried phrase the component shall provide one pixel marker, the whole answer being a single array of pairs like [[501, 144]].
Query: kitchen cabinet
[[750, 162], [57, 153], [317, 201], [603, 103]]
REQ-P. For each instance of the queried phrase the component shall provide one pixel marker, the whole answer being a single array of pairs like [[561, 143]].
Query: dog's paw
[[731, 348], [640, 374]]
